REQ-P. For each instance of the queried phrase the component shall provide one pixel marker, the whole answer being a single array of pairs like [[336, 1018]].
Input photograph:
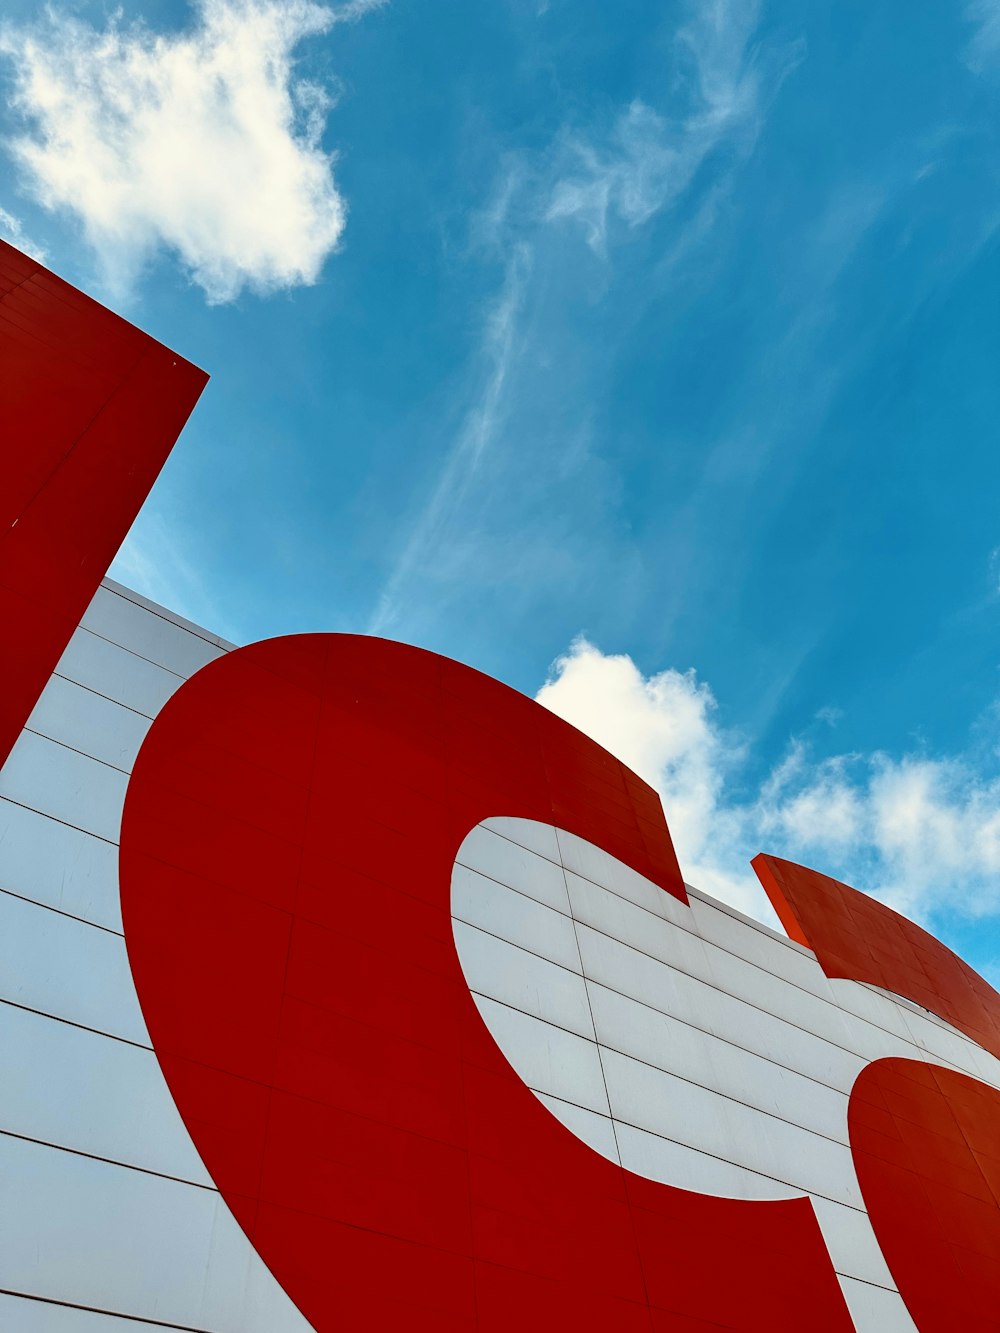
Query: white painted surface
[[58, 865], [105, 1236], [105, 1201], [70, 787]]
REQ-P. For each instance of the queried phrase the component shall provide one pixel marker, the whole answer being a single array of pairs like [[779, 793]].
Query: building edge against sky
[[457, 1048]]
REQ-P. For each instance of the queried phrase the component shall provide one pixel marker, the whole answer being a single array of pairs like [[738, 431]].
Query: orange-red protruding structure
[[855, 937]]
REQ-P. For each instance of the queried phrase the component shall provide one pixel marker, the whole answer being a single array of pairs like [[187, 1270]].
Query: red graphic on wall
[[90, 408], [287, 848], [926, 1145]]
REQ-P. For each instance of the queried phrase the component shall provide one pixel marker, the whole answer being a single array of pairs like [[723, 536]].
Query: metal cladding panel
[[69, 969], [110, 1219], [68, 786], [90, 1232], [92, 1094], [440, 1037], [59, 865], [27, 1315], [91, 407]]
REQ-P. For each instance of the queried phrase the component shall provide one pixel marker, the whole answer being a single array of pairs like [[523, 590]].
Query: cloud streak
[[479, 429], [922, 833], [649, 160], [596, 187], [204, 143]]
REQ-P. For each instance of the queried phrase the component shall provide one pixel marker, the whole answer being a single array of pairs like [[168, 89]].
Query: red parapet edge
[[90, 407], [855, 937]]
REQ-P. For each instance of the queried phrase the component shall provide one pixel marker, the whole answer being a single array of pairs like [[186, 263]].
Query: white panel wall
[[107, 1215], [688, 1043]]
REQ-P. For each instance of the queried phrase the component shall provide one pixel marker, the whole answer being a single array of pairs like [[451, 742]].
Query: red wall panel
[[926, 1145], [90, 408]]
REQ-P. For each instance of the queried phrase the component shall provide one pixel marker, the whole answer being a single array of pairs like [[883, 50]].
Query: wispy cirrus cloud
[[204, 143], [921, 832], [483, 421], [589, 186], [647, 160]]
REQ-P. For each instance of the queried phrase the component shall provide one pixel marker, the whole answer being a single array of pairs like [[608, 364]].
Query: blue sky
[[649, 350]]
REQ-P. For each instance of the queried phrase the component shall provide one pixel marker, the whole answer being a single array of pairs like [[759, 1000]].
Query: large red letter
[[286, 858]]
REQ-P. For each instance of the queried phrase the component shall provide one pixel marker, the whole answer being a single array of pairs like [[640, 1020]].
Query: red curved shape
[[926, 1145], [854, 936], [286, 857], [90, 408]]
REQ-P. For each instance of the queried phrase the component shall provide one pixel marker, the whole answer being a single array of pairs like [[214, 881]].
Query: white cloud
[[665, 728], [648, 160], [922, 833], [204, 141], [12, 230], [662, 726], [632, 175]]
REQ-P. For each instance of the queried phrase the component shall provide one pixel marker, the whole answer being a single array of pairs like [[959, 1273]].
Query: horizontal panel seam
[[692, 934], [802, 1191], [99, 694], [59, 911], [181, 623], [654, 1009], [715, 905], [97, 1309], [71, 1023], [109, 1161], [106, 763], [681, 1078], [77, 828], [86, 629]]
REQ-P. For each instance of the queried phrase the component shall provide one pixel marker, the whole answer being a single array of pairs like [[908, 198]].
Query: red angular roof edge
[[90, 407]]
